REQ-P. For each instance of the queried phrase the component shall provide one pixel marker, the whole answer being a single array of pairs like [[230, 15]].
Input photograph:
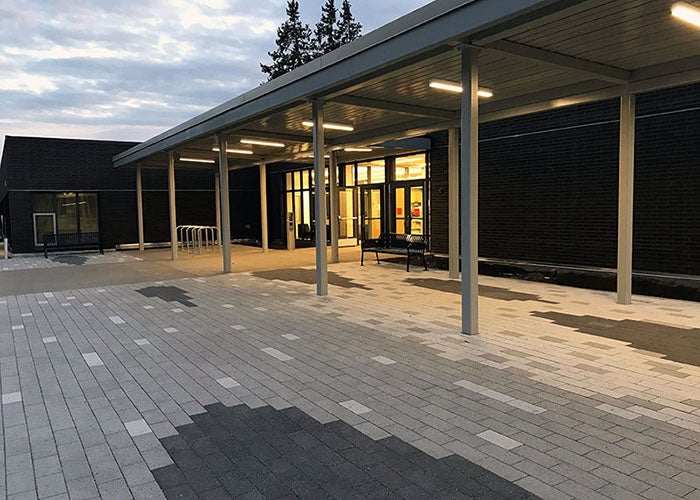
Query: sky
[[128, 70]]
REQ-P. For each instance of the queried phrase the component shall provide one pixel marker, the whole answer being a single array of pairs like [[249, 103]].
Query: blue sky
[[127, 69]]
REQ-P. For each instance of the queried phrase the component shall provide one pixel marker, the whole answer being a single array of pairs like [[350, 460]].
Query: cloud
[[134, 69]]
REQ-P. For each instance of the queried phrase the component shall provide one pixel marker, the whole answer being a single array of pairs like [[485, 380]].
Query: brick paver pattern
[[98, 384]]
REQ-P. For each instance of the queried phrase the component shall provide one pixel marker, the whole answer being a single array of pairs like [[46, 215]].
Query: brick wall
[[548, 185]]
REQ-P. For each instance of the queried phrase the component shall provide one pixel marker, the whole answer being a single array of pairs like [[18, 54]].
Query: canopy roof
[[536, 55]]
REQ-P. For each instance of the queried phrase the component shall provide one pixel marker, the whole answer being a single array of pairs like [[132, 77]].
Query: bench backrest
[[400, 240], [72, 239]]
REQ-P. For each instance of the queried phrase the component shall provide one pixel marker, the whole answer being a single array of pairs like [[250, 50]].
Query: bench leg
[[377, 254], [408, 262], [362, 258], [425, 264]]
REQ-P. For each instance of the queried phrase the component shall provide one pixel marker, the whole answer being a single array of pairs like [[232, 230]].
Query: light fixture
[[358, 150], [330, 126], [457, 88], [256, 142], [197, 160], [312, 156], [686, 13], [235, 151]]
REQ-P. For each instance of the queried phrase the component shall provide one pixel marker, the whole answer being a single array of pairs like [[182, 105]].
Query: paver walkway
[[248, 385]]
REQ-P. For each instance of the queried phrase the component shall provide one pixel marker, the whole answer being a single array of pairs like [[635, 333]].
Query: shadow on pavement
[[675, 344]]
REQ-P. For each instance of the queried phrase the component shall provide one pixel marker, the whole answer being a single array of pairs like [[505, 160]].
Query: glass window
[[67, 213], [411, 167], [373, 172], [362, 174], [349, 175], [87, 210]]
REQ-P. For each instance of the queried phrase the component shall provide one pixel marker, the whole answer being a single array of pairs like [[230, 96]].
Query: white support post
[[625, 200], [453, 201], [217, 207], [320, 200], [334, 201], [469, 191], [171, 205], [139, 206], [263, 208], [224, 204]]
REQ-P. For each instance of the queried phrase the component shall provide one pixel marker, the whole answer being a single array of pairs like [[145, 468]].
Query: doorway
[[409, 207], [372, 201]]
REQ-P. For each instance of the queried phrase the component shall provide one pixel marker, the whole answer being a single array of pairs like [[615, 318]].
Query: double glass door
[[409, 208]]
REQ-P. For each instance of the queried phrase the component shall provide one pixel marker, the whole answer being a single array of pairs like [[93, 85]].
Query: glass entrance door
[[347, 212], [372, 201], [409, 205]]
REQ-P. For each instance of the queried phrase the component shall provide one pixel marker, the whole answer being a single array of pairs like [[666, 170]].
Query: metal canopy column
[[224, 204], [171, 205], [217, 206], [469, 190], [625, 200], [334, 220], [263, 207], [453, 201], [320, 200], [139, 205]]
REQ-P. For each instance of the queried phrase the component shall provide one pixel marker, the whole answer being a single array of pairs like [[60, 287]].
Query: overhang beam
[[599, 71], [397, 107]]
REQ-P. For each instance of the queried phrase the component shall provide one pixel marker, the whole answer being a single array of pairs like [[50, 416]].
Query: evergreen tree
[[326, 35], [293, 44], [348, 28]]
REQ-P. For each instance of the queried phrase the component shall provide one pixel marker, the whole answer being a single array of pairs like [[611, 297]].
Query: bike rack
[[194, 239]]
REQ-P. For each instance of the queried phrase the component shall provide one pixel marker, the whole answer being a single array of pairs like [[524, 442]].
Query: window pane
[[44, 203], [376, 170], [411, 167], [349, 175], [362, 174], [297, 180], [305, 178], [67, 214], [88, 210]]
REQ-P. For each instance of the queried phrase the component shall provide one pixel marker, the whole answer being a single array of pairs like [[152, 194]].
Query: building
[[52, 185], [575, 149]]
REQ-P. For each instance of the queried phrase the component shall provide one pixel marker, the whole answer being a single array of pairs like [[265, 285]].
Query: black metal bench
[[73, 241], [409, 245]]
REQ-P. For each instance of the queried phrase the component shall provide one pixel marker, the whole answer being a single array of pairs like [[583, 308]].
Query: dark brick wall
[[548, 185], [56, 165]]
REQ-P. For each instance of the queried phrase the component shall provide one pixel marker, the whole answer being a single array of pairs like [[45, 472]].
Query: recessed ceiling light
[[235, 151], [457, 88], [358, 150], [686, 12], [197, 160], [330, 126], [256, 142]]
